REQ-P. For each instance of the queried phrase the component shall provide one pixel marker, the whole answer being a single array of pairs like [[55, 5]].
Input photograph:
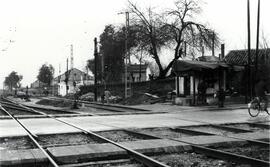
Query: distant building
[[37, 84], [76, 78], [136, 73]]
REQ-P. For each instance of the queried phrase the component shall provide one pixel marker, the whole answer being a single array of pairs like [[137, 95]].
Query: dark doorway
[[187, 85]]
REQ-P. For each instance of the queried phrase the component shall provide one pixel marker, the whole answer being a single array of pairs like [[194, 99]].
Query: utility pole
[[127, 57], [127, 53], [95, 73], [249, 93], [257, 41]]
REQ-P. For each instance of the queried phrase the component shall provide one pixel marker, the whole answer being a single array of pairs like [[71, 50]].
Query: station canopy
[[191, 65]]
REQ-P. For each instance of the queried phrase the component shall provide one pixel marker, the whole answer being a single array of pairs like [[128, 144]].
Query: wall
[[160, 87]]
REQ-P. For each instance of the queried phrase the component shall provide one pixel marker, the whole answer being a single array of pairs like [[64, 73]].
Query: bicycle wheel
[[253, 108]]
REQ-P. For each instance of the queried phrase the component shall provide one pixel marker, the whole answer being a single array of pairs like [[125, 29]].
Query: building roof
[[191, 65], [240, 57], [208, 58], [137, 67]]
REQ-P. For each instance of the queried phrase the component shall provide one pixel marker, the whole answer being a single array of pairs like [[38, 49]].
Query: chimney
[[222, 52]]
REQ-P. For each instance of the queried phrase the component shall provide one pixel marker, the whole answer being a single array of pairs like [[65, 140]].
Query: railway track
[[197, 148], [23, 113], [99, 110], [145, 160], [105, 106]]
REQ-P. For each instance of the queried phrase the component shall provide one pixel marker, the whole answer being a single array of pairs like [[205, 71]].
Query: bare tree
[[152, 33], [171, 28]]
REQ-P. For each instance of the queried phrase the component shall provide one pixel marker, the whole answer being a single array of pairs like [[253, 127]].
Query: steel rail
[[136, 155], [110, 105], [257, 142], [266, 126], [216, 153], [51, 109], [212, 152], [229, 156], [219, 153], [105, 105], [33, 138], [209, 151], [229, 136], [15, 108]]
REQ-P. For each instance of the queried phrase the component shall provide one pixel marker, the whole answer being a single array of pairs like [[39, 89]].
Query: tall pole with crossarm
[[126, 58]]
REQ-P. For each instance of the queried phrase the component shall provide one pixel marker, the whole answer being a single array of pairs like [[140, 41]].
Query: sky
[[34, 32]]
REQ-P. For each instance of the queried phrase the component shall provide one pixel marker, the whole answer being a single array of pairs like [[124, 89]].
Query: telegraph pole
[[127, 57], [249, 94], [257, 40], [95, 73]]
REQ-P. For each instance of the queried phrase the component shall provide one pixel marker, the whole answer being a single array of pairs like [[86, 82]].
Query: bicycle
[[256, 106]]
